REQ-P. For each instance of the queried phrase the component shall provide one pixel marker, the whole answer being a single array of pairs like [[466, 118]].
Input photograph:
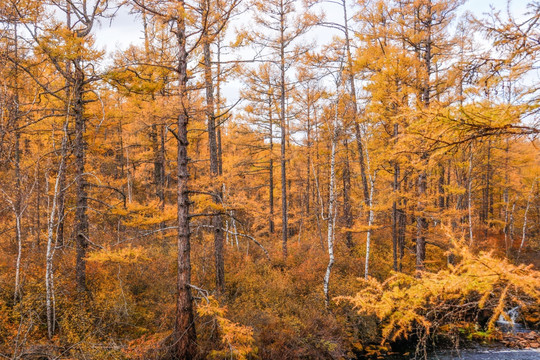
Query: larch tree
[[215, 19], [12, 121], [424, 32], [75, 62], [404, 145], [281, 26], [261, 111], [182, 18]]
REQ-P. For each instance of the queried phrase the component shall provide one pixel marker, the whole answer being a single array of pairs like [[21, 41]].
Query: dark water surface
[[488, 354]]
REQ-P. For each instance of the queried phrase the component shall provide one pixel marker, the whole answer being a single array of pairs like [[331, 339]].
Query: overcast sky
[[125, 29]]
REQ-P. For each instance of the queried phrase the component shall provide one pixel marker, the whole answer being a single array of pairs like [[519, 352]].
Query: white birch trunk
[[235, 230], [19, 256], [371, 213], [524, 231], [511, 231], [371, 218], [331, 209], [49, 275], [51, 247]]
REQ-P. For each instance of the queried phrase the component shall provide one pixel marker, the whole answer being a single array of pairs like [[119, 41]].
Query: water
[[507, 324], [510, 326], [488, 354]]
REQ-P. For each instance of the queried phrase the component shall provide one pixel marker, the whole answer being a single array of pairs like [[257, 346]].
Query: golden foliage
[[237, 340], [123, 256], [406, 304]]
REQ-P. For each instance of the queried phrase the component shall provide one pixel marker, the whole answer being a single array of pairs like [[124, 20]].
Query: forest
[[372, 189]]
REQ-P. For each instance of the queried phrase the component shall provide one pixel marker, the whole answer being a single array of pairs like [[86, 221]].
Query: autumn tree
[[282, 24], [216, 18], [261, 112]]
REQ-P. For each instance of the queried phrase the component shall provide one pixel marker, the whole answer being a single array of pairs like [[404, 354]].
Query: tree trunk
[[331, 210], [271, 166], [308, 165], [506, 201], [469, 195], [38, 208], [524, 231], [284, 227], [184, 335], [486, 199], [49, 269], [218, 106], [81, 216], [402, 225], [17, 205], [441, 202], [214, 163], [347, 212], [421, 223], [395, 214], [158, 163], [371, 216], [61, 204], [352, 90]]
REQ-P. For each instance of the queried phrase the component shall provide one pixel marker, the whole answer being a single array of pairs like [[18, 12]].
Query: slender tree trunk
[[271, 166], [214, 161], [185, 335], [18, 239], [506, 200], [61, 206], [284, 227], [17, 206], [308, 165], [157, 161], [81, 216], [486, 200], [469, 195], [371, 217], [395, 214], [315, 166], [402, 225], [395, 222], [51, 247], [331, 210], [401, 235], [421, 223], [218, 106], [524, 231], [441, 187], [347, 211], [38, 207], [448, 196], [162, 160], [68, 108], [511, 225], [352, 90], [317, 199]]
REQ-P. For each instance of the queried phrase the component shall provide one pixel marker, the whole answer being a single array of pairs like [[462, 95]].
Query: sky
[[126, 29]]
